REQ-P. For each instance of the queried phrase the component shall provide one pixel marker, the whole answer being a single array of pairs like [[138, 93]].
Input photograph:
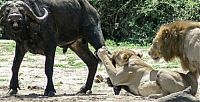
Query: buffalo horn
[[31, 13]]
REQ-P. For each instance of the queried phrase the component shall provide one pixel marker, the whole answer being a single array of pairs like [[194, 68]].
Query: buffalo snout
[[14, 17], [15, 20]]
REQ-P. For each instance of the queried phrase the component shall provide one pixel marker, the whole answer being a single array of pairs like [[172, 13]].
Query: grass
[[59, 83], [3, 59], [2, 80], [71, 60], [7, 46], [60, 65]]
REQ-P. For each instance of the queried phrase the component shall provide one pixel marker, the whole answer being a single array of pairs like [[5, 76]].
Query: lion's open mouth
[[156, 59]]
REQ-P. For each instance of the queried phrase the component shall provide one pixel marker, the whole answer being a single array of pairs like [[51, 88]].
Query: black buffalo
[[38, 26]]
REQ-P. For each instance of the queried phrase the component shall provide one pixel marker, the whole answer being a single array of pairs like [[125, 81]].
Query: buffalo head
[[14, 14]]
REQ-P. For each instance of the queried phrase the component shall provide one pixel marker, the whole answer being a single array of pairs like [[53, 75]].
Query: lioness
[[179, 39], [139, 78]]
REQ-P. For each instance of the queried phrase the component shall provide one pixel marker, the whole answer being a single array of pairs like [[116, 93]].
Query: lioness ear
[[126, 56], [139, 54]]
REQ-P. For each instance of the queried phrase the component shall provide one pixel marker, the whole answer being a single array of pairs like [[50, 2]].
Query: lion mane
[[172, 38]]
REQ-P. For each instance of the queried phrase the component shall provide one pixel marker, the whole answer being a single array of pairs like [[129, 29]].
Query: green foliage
[[1, 1], [137, 21]]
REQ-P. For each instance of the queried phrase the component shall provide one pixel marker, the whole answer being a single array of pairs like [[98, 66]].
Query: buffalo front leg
[[49, 62], [19, 54], [80, 47]]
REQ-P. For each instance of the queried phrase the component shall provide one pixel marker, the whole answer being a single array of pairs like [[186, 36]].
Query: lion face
[[122, 57], [168, 42], [161, 43], [155, 49]]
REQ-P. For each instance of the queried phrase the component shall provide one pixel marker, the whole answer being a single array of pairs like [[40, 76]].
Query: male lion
[[179, 39], [139, 78]]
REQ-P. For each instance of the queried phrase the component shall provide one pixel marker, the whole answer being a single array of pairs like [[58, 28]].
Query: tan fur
[[98, 79], [140, 77], [179, 39]]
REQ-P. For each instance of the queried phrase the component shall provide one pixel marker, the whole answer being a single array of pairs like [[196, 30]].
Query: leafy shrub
[[137, 21]]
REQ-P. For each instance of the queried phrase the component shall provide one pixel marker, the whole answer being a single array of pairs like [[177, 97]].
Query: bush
[[137, 21], [1, 36]]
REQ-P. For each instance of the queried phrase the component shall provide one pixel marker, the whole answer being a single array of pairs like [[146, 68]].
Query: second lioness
[[139, 78]]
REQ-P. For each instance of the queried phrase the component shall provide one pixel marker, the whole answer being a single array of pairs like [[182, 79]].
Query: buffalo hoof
[[49, 93], [81, 92], [12, 92], [84, 91], [88, 92]]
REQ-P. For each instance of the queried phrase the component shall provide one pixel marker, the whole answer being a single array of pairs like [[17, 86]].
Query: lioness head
[[121, 57]]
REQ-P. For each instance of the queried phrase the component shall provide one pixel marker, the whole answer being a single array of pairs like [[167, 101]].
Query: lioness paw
[[102, 51]]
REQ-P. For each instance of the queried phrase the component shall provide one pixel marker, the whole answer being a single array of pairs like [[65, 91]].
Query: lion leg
[[170, 82], [155, 96], [117, 89], [193, 82], [150, 89], [181, 96], [108, 81]]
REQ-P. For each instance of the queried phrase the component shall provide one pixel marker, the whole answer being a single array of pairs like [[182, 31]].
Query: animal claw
[[12, 92]]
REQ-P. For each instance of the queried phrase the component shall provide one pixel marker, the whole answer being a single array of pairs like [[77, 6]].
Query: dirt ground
[[67, 81]]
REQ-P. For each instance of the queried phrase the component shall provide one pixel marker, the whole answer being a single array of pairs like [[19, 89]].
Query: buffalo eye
[[21, 9], [7, 10]]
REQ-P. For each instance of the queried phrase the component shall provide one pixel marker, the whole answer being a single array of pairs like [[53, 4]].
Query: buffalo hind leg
[[19, 55], [80, 47], [95, 36]]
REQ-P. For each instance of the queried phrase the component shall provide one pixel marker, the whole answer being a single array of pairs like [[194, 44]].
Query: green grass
[[3, 59], [59, 83], [71, 60], [7, 47], [1, 80], [164, 65], [60, 65]]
